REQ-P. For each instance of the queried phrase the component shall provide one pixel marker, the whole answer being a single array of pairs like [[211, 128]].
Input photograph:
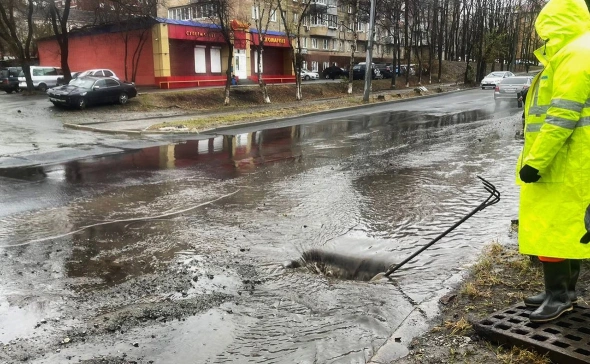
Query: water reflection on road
[[378, 185]]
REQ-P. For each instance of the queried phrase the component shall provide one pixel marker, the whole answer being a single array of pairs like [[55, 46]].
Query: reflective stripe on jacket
[[557, 136]]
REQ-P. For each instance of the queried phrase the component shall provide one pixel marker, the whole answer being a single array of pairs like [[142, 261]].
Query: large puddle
[[377, 186]]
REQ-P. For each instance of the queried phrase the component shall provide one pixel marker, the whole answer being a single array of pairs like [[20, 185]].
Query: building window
[[332, 21], [303, 42], [326, 44], [295, 18], [284, 16], [326, 65], [360, 26], [314, 66], [182, 13], [215, 59], [317, 19], [273, 15], [200, 60], [304, 65], [204, 10], [255, 12], [314, 43]]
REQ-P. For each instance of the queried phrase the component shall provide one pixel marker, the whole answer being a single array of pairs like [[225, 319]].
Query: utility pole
[[369, 59]]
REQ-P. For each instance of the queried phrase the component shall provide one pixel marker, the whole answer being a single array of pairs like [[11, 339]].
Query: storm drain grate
[[565, 340]]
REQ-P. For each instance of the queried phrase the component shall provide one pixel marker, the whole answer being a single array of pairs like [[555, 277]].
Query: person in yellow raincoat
[[554, 166]]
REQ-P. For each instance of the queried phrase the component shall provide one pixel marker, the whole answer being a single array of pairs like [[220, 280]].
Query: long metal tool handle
[[491, 200]]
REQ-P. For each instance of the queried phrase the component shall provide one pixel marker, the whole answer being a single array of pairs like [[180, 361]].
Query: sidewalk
[[137, 123]]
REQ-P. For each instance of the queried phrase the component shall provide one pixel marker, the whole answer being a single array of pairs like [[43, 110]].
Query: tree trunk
[[261, 82], [228, 74]]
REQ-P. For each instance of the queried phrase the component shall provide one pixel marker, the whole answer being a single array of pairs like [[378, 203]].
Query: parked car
[[84, 91], [9, 79], [98, 72], [43, 77], [60, 80], [385, 69], [494, 78], [510, 87], [358, 71], [309, 75], [333, 72]]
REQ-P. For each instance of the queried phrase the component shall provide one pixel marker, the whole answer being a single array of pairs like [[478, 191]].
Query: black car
[[358, 72], [61, 81], [9, 79], [385, 69], [333, 72], [84, 91]]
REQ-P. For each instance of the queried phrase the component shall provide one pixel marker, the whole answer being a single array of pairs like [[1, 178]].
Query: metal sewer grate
[[565, 340]]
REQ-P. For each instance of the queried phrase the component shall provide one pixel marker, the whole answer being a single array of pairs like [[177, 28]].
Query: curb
[[252, 123]]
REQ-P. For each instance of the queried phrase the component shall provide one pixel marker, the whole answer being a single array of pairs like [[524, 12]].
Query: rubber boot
[[537, 300], [557, 300]]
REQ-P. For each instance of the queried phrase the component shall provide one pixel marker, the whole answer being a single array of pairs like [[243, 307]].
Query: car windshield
[[82, 82], [514, 81], [496, 74]]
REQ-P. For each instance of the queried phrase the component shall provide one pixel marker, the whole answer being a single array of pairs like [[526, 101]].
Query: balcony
[[318, 30]]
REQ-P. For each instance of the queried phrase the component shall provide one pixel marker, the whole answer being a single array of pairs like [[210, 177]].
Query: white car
[[99, 72], [309, 75], [494, 78], [43, 77]]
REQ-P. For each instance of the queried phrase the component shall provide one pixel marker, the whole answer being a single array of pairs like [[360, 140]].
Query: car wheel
[[483, 88], [82, 103], [327, 77], [123, 98], [42, 87], [306, 78]]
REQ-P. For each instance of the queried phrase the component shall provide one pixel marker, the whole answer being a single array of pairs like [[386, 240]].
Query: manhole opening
[[576, 319], [500, 317], [514, 321], [551, 331], [584, 330], [511, 312], [520, 332], [487, 322], [340, 266], [564, 324], [502, 326], [532, 325]]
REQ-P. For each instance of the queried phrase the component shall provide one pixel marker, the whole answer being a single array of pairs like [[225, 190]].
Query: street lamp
[[369, 59]]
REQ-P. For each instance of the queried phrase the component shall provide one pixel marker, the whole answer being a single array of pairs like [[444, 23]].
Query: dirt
[[502, 277]]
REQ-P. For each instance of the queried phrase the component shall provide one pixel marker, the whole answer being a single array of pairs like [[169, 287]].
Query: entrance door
[[240, 64]]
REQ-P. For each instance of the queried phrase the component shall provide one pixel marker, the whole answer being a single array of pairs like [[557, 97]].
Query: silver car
[[509, 87], [494, 78]]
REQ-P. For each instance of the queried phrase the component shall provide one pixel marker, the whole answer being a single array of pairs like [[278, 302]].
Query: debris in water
[[339, 266]]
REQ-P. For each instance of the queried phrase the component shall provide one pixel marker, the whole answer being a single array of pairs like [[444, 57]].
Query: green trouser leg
[[537, 300], [557, 299]]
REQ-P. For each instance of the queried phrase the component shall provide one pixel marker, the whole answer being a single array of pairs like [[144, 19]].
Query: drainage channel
[[565, 340]]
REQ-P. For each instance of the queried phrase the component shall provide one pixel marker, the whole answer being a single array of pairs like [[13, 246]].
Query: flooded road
[[174, 253]]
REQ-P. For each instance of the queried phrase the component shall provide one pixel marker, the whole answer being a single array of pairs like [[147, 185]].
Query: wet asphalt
[[175, 252]]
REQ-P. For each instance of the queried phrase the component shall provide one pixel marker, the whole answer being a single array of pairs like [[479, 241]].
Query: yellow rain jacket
[[557, 136]]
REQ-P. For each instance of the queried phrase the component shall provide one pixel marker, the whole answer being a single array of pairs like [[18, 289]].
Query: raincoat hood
[[558, 23]]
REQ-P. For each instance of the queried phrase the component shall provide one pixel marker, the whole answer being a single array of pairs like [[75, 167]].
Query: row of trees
[[478, 32], [24, 21]]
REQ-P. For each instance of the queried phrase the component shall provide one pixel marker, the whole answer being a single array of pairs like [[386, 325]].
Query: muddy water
[[218, 216]]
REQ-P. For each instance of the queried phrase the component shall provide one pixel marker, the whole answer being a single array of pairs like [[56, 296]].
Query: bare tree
[[16, 31], [265, 11], [134, 21], [300, 13], [59, 25]]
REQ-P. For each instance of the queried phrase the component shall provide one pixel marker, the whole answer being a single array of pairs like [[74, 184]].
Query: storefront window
[[200, 60], [215, 60]]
